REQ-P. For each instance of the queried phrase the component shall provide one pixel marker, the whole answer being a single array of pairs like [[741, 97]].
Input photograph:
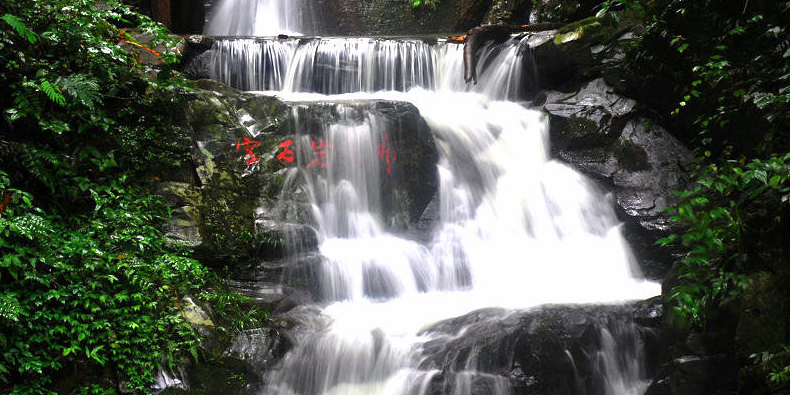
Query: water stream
[[516, 228]]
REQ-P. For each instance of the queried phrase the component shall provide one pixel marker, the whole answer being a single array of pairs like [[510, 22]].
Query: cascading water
[[516, 229], [347, 65], [261, 18]]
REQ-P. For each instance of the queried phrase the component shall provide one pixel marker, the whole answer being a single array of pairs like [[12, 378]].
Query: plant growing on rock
[[731, 97], [90, 287]]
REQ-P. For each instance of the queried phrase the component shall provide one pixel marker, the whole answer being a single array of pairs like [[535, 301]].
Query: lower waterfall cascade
[[516, 229]]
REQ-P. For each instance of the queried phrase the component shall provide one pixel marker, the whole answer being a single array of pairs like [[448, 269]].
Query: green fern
[[83, 88], [20, 27], [31, 226], [39, 163], [52, 91], [10, 309]]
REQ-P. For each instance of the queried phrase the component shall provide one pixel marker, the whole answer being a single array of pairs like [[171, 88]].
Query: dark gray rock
[[234, 365], [599, 133], [282, 284], [584, 50], [260, 348], [234, 209], [714, 375], [551, 350], [196, 58], [386, 17], [410, 183]]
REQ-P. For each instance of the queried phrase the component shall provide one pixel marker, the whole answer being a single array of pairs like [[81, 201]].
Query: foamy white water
[[261, 18], [347, 65], [517, 230]]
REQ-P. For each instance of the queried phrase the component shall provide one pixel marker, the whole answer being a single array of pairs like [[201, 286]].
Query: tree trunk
[[160, 10]]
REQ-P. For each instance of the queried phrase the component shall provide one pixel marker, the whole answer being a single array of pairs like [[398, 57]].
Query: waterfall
[[348, 65], [261, 18], [517, 229]]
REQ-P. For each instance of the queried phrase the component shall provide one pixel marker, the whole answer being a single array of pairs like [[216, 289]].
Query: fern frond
[[20, 27], [31, 226], [26, 103], [10, 309], [82, 88], [52, 91], [37, 163]]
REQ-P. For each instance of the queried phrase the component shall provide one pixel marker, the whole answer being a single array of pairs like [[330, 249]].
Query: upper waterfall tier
[[347, 65], [262, 18]]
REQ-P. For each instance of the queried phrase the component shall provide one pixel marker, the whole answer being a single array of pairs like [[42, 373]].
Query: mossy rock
[[577, 30]]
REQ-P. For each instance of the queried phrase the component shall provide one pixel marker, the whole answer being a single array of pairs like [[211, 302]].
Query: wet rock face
[[584, 50], [374, 17], [233, 209], [598, 131], [406, 157], [239, 369], [413, 180], [214, 213], [696, 375], [196, 58], [552, 350]]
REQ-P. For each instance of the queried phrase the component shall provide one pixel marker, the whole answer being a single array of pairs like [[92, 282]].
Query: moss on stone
[[631, 156]]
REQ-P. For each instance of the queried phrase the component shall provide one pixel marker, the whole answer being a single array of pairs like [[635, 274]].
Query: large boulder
[[549, 350], [215, 213], [406, 154], [584, 50], [599, 132], [233, 210], [239, 369], [691, 374]]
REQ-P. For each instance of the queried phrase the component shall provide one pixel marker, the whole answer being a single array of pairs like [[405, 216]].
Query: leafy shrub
[[98, 290], [90, 287], [712, 213]]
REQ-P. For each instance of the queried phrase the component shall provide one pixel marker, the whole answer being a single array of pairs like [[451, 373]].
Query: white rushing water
[[261, 18], [516, 230], [346, 65]]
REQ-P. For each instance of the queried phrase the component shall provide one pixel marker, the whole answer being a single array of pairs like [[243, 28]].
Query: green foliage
[[234, 311], [90, 289], [83, 88], [712, 213], [777, 365], [431, 4], [52, 92], [100, 288], [731, 64], [608, 7], [20, 28], [719, 74]]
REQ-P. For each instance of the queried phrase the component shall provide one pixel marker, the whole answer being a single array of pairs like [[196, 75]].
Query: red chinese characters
[[387, 154], [248, 146], [320, 156], [287, 154]]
